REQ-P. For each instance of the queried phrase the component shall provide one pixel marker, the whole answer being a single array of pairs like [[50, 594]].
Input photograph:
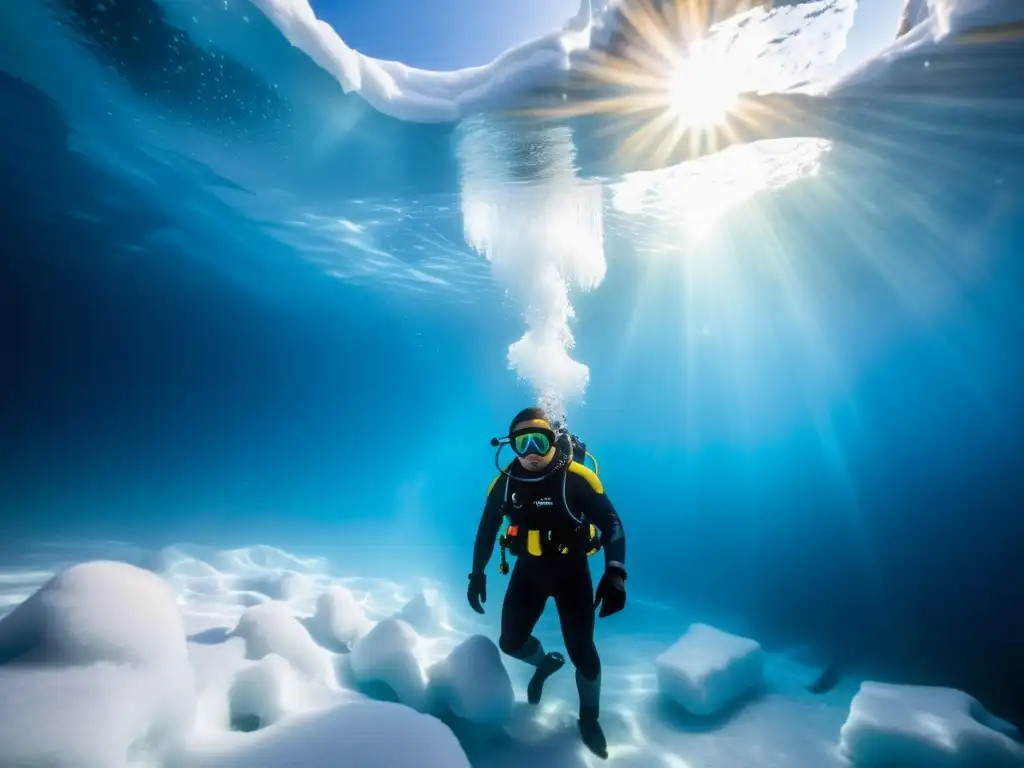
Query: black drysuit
[[548, 505]]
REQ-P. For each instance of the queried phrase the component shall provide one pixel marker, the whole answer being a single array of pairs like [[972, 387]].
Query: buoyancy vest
[[541, 521]]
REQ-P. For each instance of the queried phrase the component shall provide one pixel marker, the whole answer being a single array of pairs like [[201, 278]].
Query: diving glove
[[477, 592], [611, 591]]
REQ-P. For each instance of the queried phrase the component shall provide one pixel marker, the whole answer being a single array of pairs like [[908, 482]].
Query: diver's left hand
[[611, 591]]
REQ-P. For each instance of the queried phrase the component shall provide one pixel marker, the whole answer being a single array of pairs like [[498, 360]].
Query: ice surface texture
[[111, 666], [95, 671], [906, 726], [473, 683], [707, 670], [428, 96], [365, 734], [425, 613], [386, 654], [339, 619], [272, 628]]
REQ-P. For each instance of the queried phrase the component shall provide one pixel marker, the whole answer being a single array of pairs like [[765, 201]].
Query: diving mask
[[532, 441]]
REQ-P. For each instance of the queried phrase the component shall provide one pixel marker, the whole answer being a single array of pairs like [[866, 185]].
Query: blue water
[[810, 419]]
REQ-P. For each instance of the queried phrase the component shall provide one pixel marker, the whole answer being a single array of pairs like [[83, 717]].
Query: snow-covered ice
[[363, 734], [421, 95], [272, 628], [264, 693], [109, 665], [425, 612], [94, 671], [244, 657], [95, 612], [907, 726], [473, 683], [386, 654], [339, 619], [707, 670]]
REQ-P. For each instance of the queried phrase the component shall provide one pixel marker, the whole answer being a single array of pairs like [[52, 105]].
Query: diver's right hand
[[477, 591]]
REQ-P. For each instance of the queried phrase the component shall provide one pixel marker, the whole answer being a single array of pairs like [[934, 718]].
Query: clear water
[[241, 306]]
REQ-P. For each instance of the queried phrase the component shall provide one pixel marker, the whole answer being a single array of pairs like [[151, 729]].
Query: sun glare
[[703, 88], [669, 83]]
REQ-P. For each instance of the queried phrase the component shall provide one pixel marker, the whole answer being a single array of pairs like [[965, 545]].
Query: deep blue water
[[815, 435]]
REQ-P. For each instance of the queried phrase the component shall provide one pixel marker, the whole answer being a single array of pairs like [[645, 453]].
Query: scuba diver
[[553, 502]]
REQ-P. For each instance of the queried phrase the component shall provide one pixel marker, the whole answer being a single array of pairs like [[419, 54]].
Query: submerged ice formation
[[527, 210], [421, 95], [339, 620], [109, 665], [955, 16], [913, 13], [272, 628], [386, 654], [367, 734], [935, 27], [707, 670], [263, 694], [94, 670], [425, 612], [906, 726], [473, 683], [97, 612]]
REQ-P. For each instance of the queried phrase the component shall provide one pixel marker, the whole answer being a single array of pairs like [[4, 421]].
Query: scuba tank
[[578, 449]]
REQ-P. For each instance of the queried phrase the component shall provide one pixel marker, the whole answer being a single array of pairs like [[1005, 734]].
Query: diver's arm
[[599, 510], [490, 522], [613, 536]]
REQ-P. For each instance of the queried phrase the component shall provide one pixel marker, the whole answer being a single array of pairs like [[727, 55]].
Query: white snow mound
[[422, 95], [954, 16], [426, 612], [386, 654], [97, 611], [907, 726], [419, 95], [95, 671], [339, 618], [265, 692], [271, 628], [474, 683], [287, 586], [914, 13], [361, 734], [934, 27], [706, 670]]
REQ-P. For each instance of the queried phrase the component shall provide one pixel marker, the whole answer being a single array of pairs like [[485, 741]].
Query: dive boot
[[591, 732], [551, 663]]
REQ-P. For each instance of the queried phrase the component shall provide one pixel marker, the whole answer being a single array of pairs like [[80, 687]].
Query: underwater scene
[[550, 383]]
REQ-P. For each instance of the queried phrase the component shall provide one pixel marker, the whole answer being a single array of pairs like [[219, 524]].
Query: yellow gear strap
[[533, 546], [587, 474], [533, 543]]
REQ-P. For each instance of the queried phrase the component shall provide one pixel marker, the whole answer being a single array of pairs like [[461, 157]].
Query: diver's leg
[[574, 599], [520, 611], [523, 605]]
